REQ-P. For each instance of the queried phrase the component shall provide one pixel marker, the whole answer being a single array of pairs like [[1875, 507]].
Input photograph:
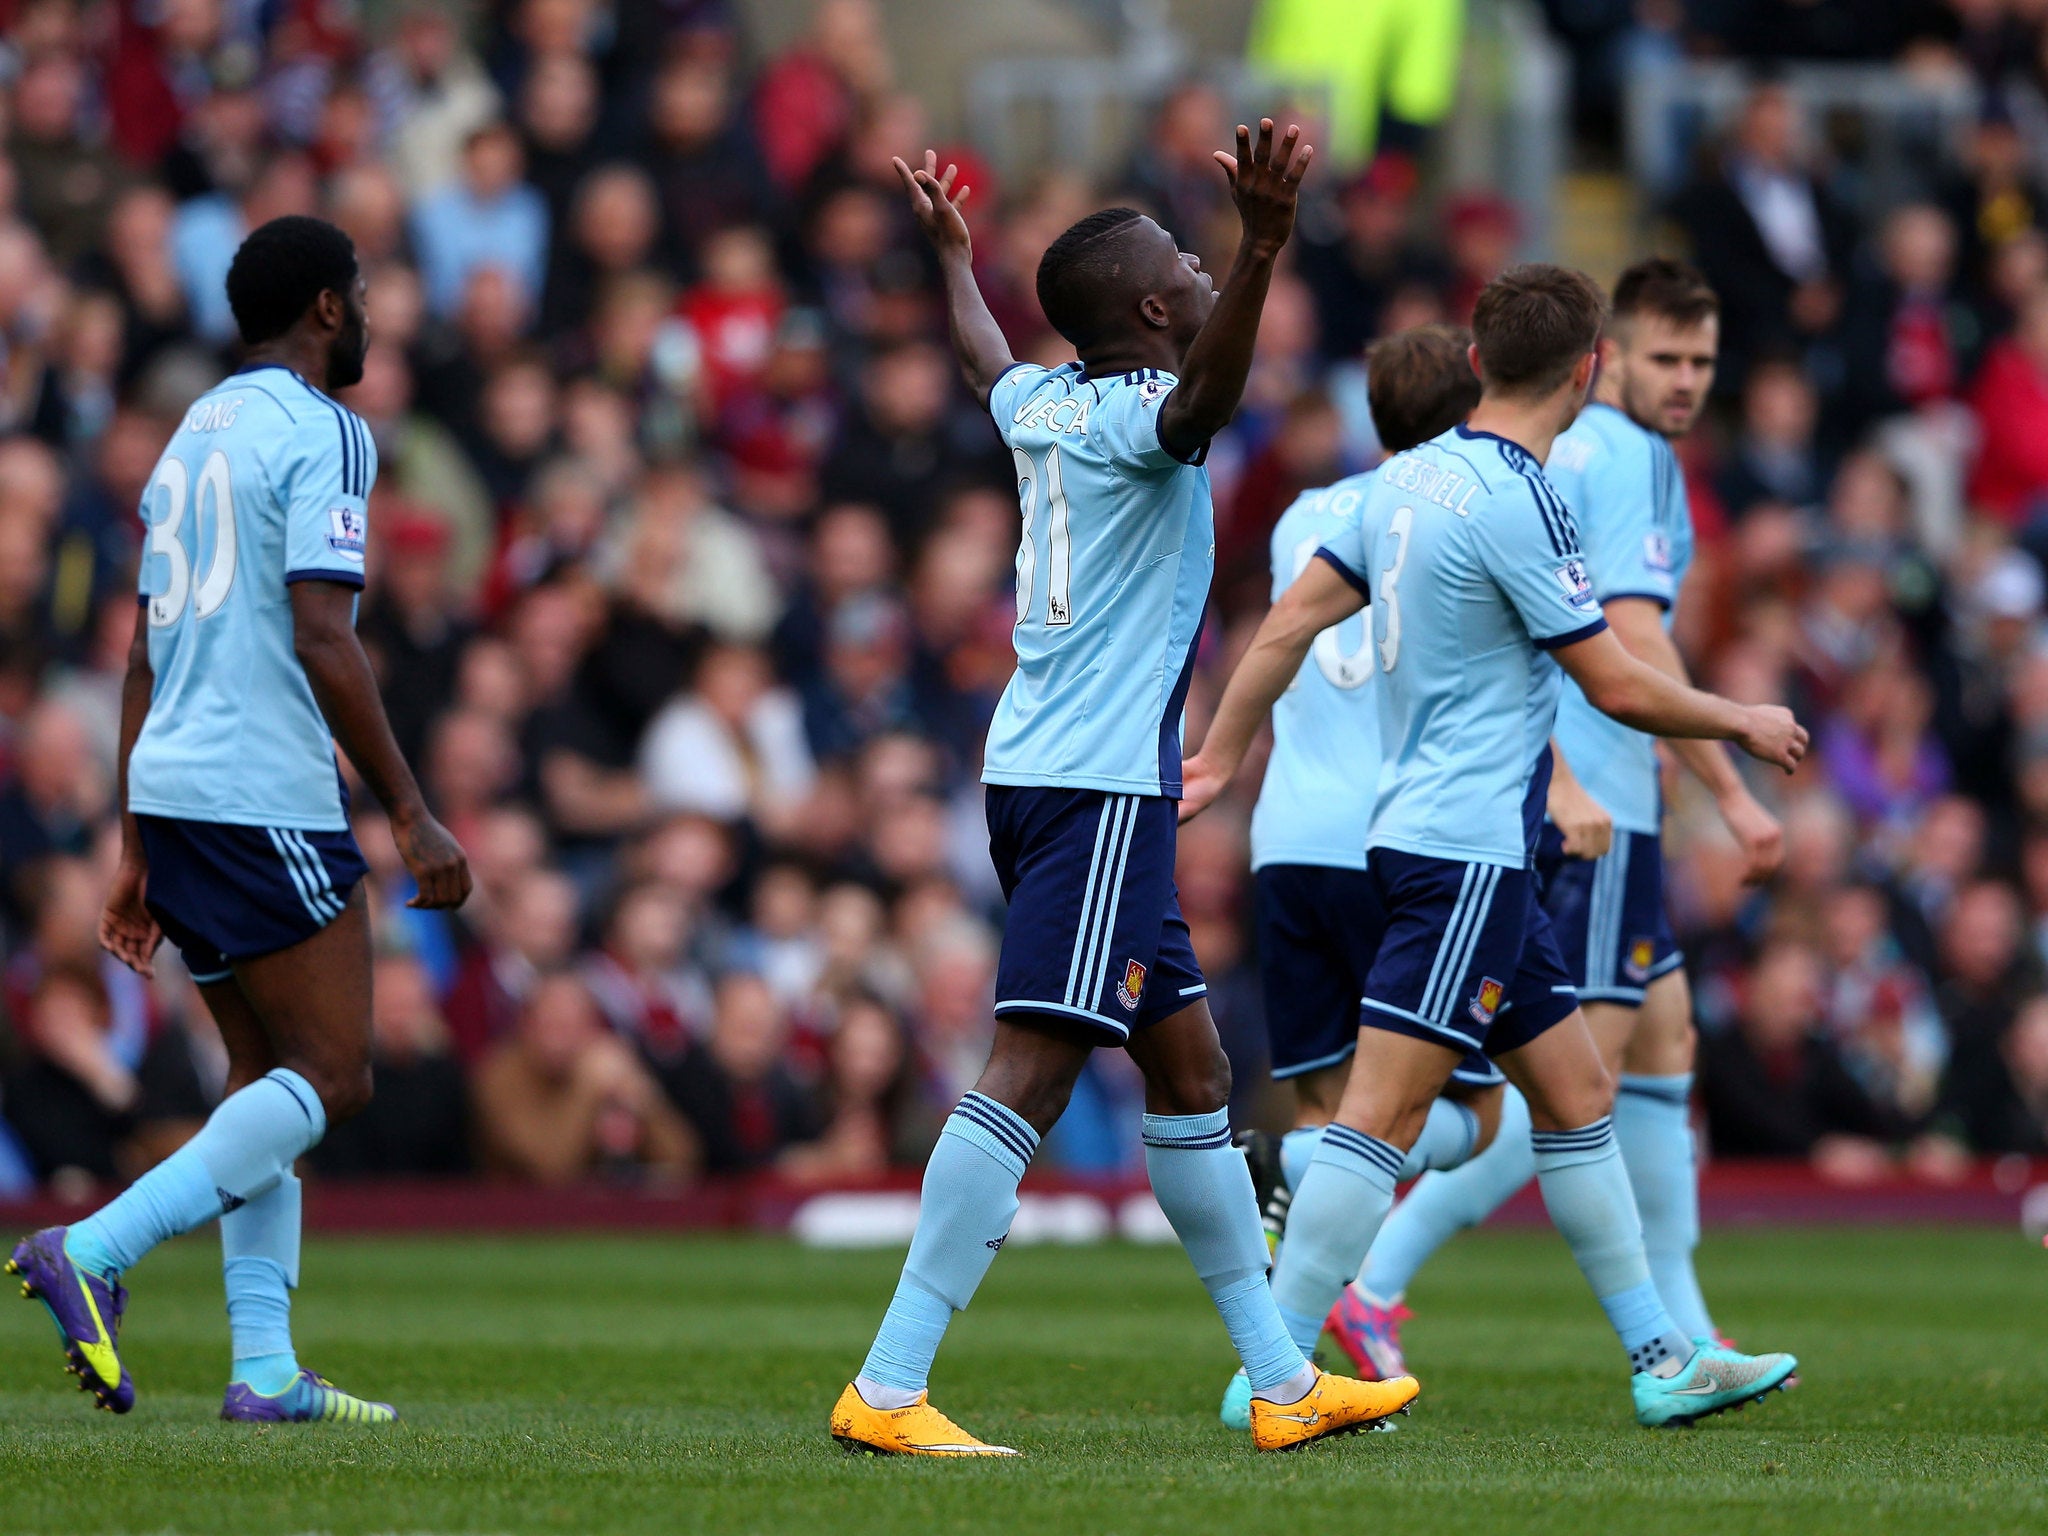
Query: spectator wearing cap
[[487, 216], [413, 626], [1355, 265]]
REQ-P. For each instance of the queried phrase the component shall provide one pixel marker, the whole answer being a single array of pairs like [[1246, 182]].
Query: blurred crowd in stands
[[691, 578]]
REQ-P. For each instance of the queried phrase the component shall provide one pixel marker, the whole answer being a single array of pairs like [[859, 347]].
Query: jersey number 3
[[212, 588], [1387, 590], [1059, 609]]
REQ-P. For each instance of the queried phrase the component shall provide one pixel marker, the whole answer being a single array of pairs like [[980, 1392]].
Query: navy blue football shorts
[[1094, 933], [1609, 915], [224, 893], [1466, 958], [1318, 930]]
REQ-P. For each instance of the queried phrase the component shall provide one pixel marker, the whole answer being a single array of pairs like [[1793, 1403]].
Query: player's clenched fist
[[1265, 183], [1774, 736], [435, 861]]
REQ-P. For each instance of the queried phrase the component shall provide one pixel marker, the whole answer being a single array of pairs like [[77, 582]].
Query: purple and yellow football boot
[[87, 1310], [310, 1399]]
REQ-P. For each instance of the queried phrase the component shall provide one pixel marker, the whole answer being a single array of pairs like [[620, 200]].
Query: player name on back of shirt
[[1431, 482]]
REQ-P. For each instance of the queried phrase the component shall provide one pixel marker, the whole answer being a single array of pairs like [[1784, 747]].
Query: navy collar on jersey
[[1464, 431]]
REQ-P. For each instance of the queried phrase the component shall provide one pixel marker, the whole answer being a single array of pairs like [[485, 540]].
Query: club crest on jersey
[[1656, 552], [1132, 987], [1486, 1001], [347, 531], [1641, 955], [1578, 590]]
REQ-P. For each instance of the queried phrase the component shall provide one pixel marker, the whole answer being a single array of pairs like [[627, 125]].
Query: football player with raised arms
[[1083, 768], [244, 672], [1479, 597]]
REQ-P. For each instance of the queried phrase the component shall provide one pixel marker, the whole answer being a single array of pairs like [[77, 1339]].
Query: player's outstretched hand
[[435, 861], [1200, 784], [1773, 736], [127, 931], [1757, 833], [934, 202], [1588, 829], [1264, 182]]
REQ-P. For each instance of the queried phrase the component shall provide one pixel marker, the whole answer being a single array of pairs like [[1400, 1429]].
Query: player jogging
[[1615, 469], [1312, 901], [244, 671], [1083, 766], [1479, 593]]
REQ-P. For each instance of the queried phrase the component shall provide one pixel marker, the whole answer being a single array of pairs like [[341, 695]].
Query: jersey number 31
[[1059, 608], [212, 588]]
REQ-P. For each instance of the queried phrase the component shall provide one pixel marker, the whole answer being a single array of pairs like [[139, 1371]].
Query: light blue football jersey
[[1112, 576], [1474, 572], [1627, 495], [1316, 802], [264, 483]]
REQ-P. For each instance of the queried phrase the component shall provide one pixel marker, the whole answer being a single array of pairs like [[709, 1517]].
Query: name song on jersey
[[1432, 484], [212, 415]]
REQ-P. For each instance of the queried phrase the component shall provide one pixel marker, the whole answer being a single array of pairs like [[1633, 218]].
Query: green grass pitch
[[667, 1384]]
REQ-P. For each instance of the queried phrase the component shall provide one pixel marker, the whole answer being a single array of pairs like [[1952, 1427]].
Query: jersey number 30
[[212, 588], [1059, 609]]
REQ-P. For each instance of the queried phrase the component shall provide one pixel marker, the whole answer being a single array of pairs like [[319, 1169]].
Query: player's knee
[[344, 1094], [1197, 1087], [1485, 1107]]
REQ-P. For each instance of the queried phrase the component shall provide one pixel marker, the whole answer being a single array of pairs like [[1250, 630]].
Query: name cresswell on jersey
[[1430, 482]]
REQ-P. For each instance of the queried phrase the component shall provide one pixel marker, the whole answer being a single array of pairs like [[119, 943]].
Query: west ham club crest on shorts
[[1642, 954], [1132, 988], [1486, 1001]]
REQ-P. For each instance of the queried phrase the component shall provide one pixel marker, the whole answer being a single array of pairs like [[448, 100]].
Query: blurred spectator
[[2011, 402], [1775, 458], [735, 1089], [487, 217], [1359, 262], [1768, 235], [418, 1121], [731, 748], [562, 1100], [65, 181], [875, 1116], [1776, 1086]]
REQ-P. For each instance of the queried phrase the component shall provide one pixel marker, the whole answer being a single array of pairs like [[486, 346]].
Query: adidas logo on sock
[[228, 1202]]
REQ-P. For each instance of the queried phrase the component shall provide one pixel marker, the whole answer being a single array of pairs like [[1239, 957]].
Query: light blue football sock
[[1441, 1205], [1448, 1137], [249, 1143], [259, 1249], [1651, 1125], [963, 1215], [1296, 1148], [1342, 1200], [1205, 1188], [1586, 1190]]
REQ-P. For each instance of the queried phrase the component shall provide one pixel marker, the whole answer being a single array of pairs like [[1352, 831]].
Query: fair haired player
[[244, 672], [1615, 469], [1479, 596], [1083, 767]]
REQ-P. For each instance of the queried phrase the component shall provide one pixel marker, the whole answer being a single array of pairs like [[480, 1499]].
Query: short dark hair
[[282, 268], [1082, 277], [1532, 324], [1419, 384], [1671, 290]]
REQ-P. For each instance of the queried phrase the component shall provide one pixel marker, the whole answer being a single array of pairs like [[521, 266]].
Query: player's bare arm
[[1588, 829], [1265, 183], [127, 931], [1640, 696], [1639, 625], [1318, 598], [324, 638], [978, 342]]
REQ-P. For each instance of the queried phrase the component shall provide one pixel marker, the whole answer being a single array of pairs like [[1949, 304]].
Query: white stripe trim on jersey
[[1106, 941], [1443, 948], [297, 871], [1603, 926], [1081, 927], [316, 868], [1466, 938]]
